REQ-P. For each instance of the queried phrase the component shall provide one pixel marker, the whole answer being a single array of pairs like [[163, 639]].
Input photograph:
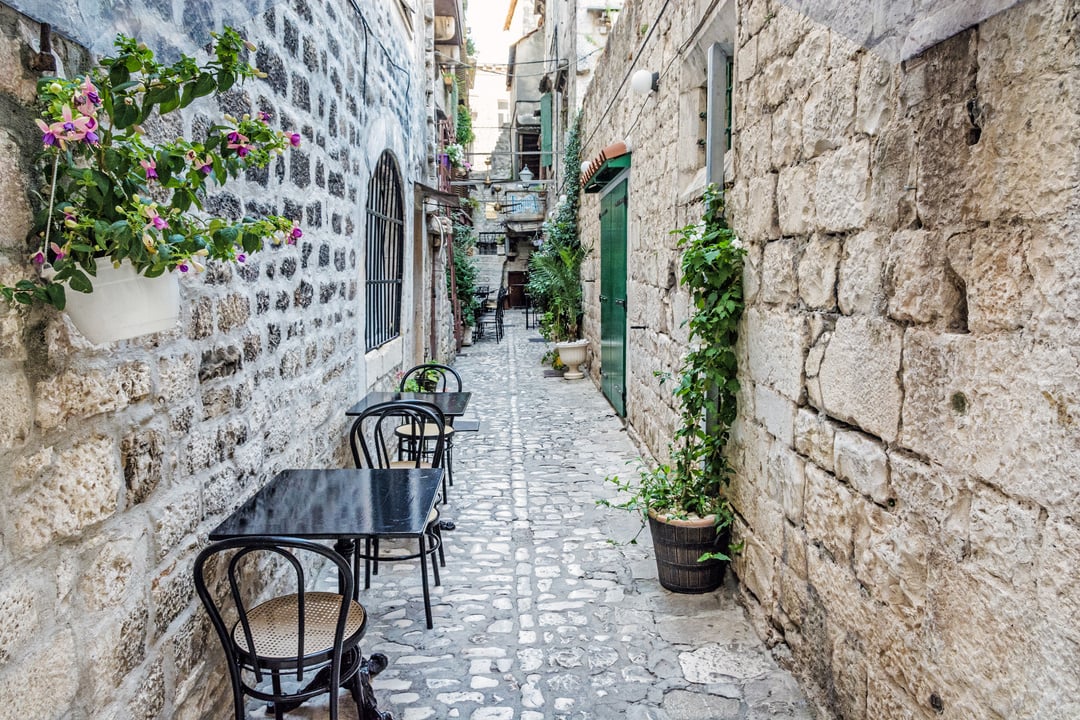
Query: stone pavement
[[540, 615]]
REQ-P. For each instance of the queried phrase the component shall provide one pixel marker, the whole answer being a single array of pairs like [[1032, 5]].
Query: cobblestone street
[[540, 615]]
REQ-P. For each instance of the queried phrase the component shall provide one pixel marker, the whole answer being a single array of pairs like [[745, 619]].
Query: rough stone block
[[829, 112], [785, 481], [963, 395], [1058, 584], [15, 215], [860, 290], [841, 190], [19, 606], [930, 498], [85, 394], [41, 686], [778, 274], [876, 94], [174, 518], [776, 413], [170, 592], [890, 560], [817, 273], [115, 650], [858, 380], [15, 409], [923, 288], [814, 435], [795, 199], [993, 264], [861, 461], [761, 221], [828, 513], [141, 456], [775, 345], [79, 488], [233, 311], [787, 144], [1004, 537], [109, 566]]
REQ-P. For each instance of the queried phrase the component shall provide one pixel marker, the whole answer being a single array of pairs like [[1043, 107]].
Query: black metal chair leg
[[424, 581]]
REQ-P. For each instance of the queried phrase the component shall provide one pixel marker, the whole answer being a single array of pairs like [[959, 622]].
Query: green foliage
[[465, 133], [696, 480], [464, 273], [114, 195], [555, 269]]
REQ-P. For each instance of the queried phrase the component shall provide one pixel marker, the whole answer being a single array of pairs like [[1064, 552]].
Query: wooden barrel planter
[[678, 544]]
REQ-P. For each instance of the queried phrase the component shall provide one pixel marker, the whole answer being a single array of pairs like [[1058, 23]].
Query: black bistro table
[[452, 404], [342, 505]]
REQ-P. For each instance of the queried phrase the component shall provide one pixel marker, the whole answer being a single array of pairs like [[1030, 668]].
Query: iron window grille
[[385, 247]]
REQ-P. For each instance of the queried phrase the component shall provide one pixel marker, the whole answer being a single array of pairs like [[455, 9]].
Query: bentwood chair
[[289, 636], [373, 441], [431, 377]]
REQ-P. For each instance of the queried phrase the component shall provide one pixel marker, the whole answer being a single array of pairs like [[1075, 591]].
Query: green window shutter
[[545, 130]]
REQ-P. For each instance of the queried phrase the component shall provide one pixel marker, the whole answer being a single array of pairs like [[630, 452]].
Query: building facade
[[905, 450], [117, 460]]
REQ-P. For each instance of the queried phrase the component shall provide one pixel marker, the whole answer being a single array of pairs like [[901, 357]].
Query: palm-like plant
[[556, 276]]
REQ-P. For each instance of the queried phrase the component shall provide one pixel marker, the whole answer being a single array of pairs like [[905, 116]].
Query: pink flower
[[264, 116], [69, 128], [239, 143], [150, 167], [159, 222], [48, 137], [38, 258], [294, 139], [295, 234], [58, 251]]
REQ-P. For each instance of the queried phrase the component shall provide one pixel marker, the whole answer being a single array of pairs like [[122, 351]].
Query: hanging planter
[[124, 304], [124, 213]]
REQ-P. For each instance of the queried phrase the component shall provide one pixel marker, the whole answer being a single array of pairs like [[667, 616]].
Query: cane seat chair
[[431, 377], [374, 445], [287, 637]]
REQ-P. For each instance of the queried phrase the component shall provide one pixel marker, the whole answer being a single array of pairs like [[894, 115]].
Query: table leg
[[424, 581], [346, 549]]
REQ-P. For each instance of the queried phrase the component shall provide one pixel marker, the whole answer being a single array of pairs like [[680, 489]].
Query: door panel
[[613, 297]]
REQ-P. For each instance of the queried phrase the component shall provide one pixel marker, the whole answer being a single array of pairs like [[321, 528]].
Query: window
[[385, 245], [488, 243]]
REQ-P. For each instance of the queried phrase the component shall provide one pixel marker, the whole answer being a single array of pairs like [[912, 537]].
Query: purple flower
[[264, 116], [295, 234], [159, 222], [91, 138], [150, 167], [38, 258], [241, 258], [183, 267], [48, 139], [243, 150], [294, 139], [234, 137]]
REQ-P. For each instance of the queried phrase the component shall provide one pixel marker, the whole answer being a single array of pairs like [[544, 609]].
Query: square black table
[[342, 505], [452, 404]]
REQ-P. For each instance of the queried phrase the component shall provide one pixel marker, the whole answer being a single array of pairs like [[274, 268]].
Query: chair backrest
[[244, 575], [374, 443], [432, 377]]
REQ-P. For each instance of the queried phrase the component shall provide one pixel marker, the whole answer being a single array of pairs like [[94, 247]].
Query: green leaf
[[57, 296], [80, 282], [125, 115]]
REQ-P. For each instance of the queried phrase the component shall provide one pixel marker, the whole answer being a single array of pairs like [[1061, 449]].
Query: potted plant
[[555, 270], [464, 278], [685, 501], [455, 152], [124, 211]]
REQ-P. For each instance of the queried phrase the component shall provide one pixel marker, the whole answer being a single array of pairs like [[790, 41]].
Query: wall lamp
[[644, 82]]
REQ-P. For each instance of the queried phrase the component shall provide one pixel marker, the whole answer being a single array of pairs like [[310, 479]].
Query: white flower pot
[[572, 354], [124, 304], [467, 336]]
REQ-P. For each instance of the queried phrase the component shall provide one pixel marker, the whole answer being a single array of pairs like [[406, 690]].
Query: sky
[[485, 19]]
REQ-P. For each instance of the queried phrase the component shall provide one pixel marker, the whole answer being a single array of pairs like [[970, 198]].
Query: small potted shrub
[[555, 271], [685, 501], [123, 212]]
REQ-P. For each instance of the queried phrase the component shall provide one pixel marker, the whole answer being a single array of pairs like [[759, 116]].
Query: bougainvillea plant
[[115, 195]]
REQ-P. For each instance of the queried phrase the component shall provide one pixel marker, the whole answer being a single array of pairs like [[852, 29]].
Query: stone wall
[[115, 461], [906, 448]]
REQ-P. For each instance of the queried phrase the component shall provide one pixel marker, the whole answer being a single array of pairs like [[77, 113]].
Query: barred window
[[385, 245]]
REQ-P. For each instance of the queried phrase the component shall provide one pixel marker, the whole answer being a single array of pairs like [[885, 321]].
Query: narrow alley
[[545, 610]]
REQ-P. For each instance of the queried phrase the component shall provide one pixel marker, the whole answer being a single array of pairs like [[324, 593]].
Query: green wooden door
[[613, 297]]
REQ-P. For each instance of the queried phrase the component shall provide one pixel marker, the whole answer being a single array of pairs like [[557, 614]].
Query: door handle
[[603, 298], [622, 303]]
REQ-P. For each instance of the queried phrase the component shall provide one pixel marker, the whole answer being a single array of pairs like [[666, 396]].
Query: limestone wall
[[115, 461], [907, 446]]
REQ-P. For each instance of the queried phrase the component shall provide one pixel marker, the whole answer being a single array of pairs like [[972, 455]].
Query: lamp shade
[[526, 174], [644, 82]]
